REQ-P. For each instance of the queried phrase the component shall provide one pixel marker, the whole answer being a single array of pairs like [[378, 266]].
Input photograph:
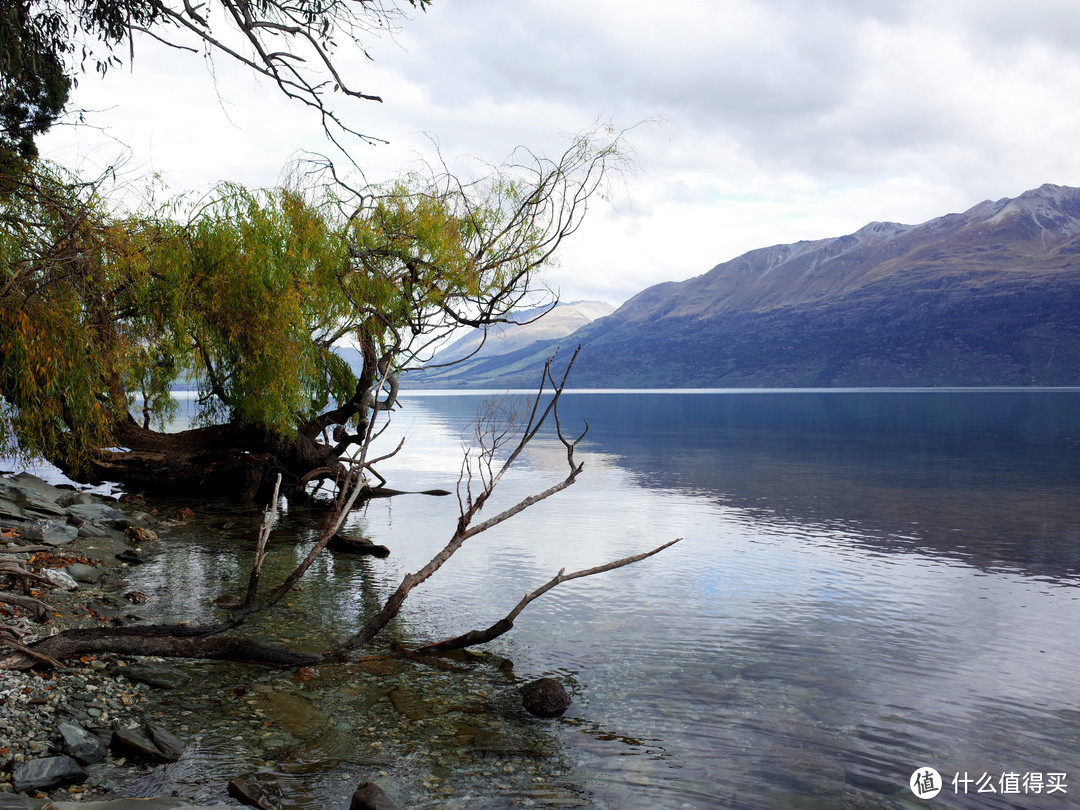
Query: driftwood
[[38, 609], [164, 640]]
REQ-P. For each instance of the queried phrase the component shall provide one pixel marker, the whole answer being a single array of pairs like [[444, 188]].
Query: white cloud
[[781, 119]]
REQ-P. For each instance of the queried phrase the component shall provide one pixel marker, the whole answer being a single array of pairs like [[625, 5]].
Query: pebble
[[33, 706]]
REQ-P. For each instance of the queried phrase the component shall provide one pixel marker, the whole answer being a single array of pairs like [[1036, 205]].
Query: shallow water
[[868, 583]]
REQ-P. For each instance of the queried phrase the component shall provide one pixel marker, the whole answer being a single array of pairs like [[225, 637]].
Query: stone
[[47, 773], [138, 534], [61, 579], [84, 573], [74, 498], [81, 744], [99, 513], [9, 801], [150, 742], [545, 697], [48, 532], [343, 544], [254, 793], [159, 675], [32, 498], [170, 746], [9, 509], [132, 557], [369, 796]]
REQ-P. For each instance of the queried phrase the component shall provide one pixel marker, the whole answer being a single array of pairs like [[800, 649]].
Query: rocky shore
[[65, 556], [60, 728]]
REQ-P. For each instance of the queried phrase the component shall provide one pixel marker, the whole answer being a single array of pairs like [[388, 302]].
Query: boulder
[[369, 796], [81, 744], [46, 773], [545, 697]]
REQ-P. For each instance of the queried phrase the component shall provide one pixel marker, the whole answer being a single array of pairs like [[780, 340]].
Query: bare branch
[[470, 507], [504, 624], [260, 546]]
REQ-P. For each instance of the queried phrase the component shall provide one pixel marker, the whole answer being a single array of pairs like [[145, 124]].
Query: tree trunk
[[235, 462]]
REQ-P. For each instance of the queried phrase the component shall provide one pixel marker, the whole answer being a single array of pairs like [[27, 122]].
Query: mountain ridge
[[989, 296]]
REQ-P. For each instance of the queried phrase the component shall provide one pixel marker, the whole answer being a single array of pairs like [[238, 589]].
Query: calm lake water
[[869, 582]]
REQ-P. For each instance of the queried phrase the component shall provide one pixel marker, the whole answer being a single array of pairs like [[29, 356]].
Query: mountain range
[[990, 296]]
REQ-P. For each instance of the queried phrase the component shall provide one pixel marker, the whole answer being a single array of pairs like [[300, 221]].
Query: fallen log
[[168, 641]]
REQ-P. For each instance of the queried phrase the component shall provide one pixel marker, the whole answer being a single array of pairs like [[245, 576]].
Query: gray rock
[[61, 579], [545, 697], [132, 557], [47, 773], [30, 498], [255, 793], [159, 675], [9, 801], [99, 513], [81, 744], [151, 742], [74, 498], [369, 796], [46, 531], [84, 573], [9, 509], [170, 746]]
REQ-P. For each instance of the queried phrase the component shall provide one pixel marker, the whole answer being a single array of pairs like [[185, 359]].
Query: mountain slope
[[477, 350], [987, 297]]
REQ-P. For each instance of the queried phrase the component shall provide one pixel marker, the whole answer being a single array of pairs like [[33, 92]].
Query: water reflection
[[866, 585], [988, 477]]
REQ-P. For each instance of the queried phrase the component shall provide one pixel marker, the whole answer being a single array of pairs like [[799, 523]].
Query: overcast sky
[[774, 120]]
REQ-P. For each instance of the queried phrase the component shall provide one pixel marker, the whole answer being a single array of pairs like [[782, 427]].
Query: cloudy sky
[[771, 121]]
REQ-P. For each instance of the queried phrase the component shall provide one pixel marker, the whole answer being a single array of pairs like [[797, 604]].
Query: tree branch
[[504, 624]]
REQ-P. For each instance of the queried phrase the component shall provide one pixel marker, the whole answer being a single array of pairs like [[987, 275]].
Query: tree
[[247, 294], [501, 439], [46, 44]]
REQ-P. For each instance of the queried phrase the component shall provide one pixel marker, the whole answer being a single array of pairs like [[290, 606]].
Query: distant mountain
[[477, 349], [987, 297]]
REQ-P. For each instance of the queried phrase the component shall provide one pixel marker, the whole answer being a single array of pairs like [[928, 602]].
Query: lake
[[870, 584]]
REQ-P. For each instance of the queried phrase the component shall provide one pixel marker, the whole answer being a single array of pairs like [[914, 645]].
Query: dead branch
[[474, 637], [260, 546], [472, 504], [38, 609], [171, 641]]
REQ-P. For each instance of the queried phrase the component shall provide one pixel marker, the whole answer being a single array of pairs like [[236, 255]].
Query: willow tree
[[247, 294]]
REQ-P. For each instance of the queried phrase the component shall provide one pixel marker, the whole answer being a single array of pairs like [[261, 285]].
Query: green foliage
[[247, 292]]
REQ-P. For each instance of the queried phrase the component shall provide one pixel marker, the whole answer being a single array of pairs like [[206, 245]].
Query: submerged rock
[[159, 675], [343, 544], [545, 697]]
